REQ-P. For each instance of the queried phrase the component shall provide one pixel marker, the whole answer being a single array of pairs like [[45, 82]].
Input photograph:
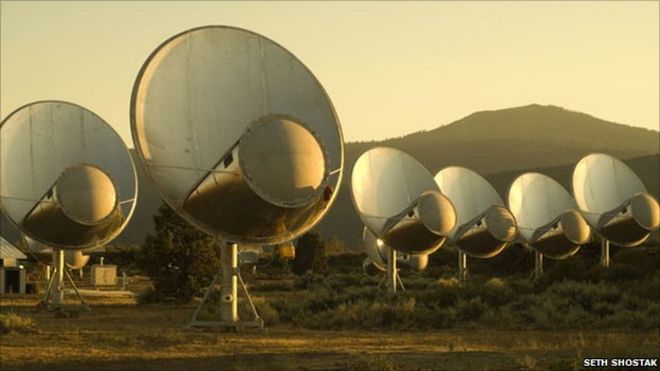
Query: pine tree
[[310, 254], [180, 259]]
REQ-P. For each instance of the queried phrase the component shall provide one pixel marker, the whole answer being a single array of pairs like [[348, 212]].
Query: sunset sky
[[390, 68]]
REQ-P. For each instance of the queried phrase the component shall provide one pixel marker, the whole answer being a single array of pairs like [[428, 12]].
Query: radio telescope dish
[[68, 180], [397, 200], [547, 216], [237, 135], [376, 252], [240, 139], [484, 226], [379, 255], [614, 200], [375, 249], [73, 259], [417, 262]]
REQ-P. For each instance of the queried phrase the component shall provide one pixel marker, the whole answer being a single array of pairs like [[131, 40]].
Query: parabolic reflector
[[377, 255], [237, 135], [398, 201], [374, 248], [484, 226], [67, 180], [547, 216], [613, 200], [73, 259]]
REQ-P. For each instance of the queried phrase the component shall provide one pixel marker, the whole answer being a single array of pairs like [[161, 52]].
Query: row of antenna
[[240, 139], [404, 208]]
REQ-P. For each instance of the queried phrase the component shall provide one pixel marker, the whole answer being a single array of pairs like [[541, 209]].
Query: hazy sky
[[390, 68]]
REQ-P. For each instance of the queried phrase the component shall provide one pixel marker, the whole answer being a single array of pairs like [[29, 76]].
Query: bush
[[343, 300], [11, 322], [266, 311], [179, 259], [310, 255]]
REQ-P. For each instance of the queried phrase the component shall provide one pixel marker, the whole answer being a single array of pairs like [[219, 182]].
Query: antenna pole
[[462, 267], [391, 271], [230, 276], [538, 265], [58, 277], [229, 287], [605, 253]]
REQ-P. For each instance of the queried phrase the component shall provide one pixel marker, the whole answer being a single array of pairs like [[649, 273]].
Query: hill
[[518, 138]]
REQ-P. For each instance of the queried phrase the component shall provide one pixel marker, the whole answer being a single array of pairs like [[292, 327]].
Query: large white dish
[[376, 252], [237, 135], [484, 226], [547, 216], [374, 248], [67, 179], [398, 201], [613, 200]]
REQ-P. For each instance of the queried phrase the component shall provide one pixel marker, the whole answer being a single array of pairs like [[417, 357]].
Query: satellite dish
[[379, 255], [614, 200], [375, 249], [68, 180], [237, 135], [400, 204], [73, 259], [376, 252], [417, 263], [484, 226], [397, 200], [547, 216], [240, 139]]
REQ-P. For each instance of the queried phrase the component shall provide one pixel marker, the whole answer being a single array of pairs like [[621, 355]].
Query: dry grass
[[124, 336], [12, 322]]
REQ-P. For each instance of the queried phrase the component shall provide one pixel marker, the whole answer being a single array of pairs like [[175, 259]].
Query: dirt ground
[[117, 334]]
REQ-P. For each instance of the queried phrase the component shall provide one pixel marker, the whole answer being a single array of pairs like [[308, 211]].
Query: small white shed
[[12, 274]]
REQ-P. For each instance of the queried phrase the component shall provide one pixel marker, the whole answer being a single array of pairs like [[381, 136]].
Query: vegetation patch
[[11, 322]]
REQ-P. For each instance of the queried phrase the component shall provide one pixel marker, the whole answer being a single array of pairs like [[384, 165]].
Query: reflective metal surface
[[376, 252], [397, 200], [416, 262], [73, 259], [546, 215], [67, 179], [484, 226], [237, 135], [374, 248], [614, 200]]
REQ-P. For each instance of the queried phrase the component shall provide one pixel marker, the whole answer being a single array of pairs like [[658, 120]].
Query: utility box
[[104, 275]]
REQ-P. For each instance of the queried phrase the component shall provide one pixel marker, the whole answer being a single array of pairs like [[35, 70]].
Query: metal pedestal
[[462, 267], [54, 297], [231, 276], [605, 253], [538, 265], [392, 274]]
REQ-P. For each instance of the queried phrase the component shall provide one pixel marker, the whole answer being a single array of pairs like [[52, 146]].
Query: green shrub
[[179, 259], [343, 300], [310, 255]]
